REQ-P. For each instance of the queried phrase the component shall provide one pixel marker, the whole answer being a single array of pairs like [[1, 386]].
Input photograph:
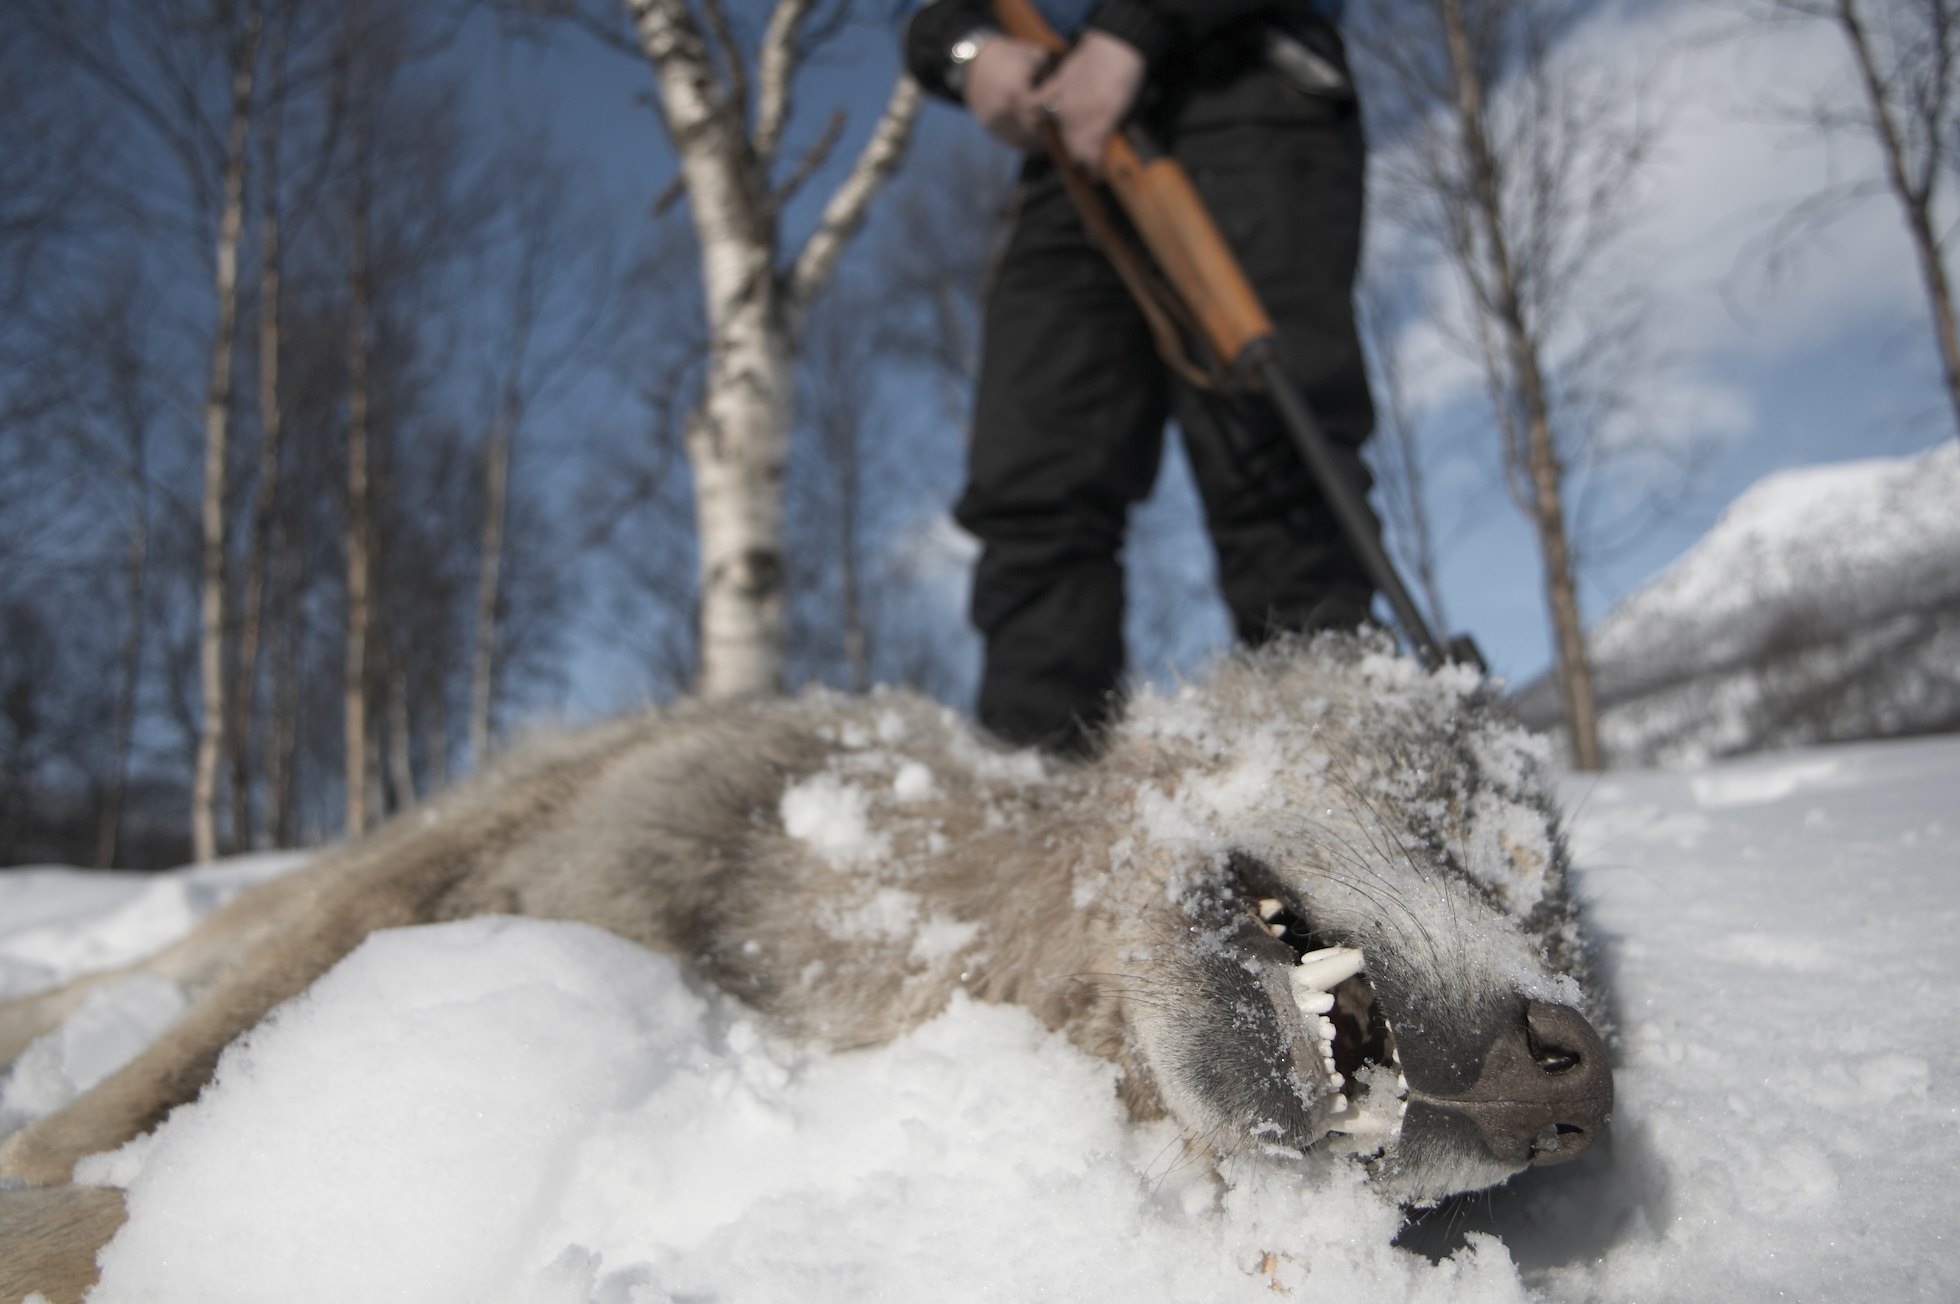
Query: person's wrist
[[962, 53]]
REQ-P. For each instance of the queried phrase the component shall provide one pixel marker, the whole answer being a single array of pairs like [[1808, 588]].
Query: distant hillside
[[1824, 606]]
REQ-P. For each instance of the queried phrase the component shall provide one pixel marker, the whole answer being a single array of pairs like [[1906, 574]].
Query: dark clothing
[[1069, 417], [1160, 29]]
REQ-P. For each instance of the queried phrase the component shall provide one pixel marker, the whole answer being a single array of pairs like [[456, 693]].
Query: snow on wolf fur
[[1312, 909]]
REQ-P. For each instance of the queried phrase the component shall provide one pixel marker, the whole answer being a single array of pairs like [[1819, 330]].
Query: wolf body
[[1316, 902]]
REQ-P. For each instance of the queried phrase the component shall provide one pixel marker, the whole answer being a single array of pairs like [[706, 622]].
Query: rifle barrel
[[1347, 500]]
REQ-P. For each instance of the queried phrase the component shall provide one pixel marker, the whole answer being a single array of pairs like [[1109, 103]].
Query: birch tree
[[152, 61], [556, 298], [265, 491], [1521, 199], [359, 535], [399, 226], [217, 448], [726, 99], [300, 60], [1905, 101]]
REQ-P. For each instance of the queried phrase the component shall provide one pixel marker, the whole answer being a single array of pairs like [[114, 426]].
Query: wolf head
[[1351, 878], [1316, 901]]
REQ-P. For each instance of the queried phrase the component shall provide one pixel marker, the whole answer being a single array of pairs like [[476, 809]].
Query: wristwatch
[[961, 56]]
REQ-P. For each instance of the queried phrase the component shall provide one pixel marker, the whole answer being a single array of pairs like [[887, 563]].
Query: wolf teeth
[[1325, 969], [1269, 908], [1313, 1002], [1395, 1059], [1313, 980], [1371, 1126]]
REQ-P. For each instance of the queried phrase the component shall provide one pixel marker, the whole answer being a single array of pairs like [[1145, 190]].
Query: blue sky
[[1827, 359]]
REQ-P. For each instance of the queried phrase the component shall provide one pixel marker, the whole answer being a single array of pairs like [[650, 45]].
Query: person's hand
[[1000, 91], [1090, 94]]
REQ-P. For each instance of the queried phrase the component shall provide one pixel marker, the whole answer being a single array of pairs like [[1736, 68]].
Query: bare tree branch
[[845, 212], [1906, 54], [776, 69], [1520, 171], [812, 161], [733, 66]]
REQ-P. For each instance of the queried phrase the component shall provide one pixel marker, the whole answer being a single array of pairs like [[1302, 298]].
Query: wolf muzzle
[[1544, 1091]]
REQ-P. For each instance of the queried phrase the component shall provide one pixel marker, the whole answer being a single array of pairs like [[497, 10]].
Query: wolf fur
[[845, 864]]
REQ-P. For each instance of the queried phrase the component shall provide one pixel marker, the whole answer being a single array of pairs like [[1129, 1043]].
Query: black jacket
[[1162, 30]]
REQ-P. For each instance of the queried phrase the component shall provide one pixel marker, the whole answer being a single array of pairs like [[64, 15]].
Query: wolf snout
[[1545, 1089]]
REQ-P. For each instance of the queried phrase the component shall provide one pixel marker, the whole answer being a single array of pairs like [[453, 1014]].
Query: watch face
[[965, 49]]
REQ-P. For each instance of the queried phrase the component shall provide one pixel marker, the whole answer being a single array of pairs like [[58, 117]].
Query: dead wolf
[[1315, 903]]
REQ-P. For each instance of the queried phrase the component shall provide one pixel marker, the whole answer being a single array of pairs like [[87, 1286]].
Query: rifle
[[1194, 293]]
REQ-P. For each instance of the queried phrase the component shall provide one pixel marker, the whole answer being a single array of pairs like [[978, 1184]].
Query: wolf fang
[[1383, 810]]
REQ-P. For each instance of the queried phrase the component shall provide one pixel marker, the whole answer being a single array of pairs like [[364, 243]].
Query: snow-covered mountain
[[1824, 606]]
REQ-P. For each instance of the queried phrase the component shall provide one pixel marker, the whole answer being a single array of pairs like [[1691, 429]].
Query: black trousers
[[1073, 400]]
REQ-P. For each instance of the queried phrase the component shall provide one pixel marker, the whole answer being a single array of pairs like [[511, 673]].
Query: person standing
[[1254, 100]]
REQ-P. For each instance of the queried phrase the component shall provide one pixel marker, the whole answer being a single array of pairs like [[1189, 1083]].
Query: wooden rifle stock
[[1198, 288], [1172, 222]]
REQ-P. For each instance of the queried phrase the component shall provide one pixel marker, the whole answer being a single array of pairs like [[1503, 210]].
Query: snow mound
[[1823, 606], [1779, 933], [513, 1110], [1852, 541]]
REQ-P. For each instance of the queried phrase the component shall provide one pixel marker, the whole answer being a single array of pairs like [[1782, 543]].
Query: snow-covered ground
[[508, 1110]]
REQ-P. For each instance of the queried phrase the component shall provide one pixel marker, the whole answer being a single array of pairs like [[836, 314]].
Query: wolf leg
[[129, 1101], [218, 943], [251, 961], [29, 1017], [49, 1239], [274, 940]]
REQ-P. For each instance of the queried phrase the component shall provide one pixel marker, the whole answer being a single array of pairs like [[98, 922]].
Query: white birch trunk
[[738, 442], [1537, 471], [282, 733], [354, 684], [739, 446], [217, 418], [483, 671], [251, 634]]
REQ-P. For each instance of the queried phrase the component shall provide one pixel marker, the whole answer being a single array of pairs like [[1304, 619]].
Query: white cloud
[[1728, 166], [1731, 166], [1680, 408]]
